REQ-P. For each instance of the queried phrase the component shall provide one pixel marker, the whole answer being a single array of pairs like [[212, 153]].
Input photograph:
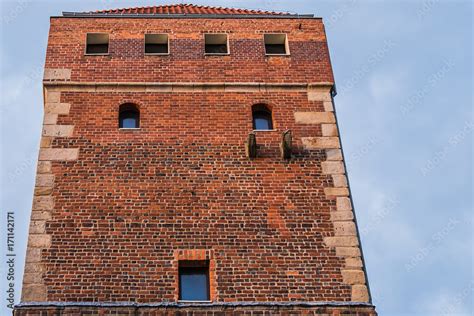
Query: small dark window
[[262, 117], [216, 44], [276, 44], [194, 280], [129, 116], [97, 43], [156, 44]]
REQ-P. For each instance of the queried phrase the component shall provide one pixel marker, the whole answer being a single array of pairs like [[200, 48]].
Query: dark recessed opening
[[97, 43], [129, 116], [194, 280], [156, 44], [276, 44], [216, 44], [262, 117]]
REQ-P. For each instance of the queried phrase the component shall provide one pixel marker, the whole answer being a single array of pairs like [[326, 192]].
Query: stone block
[[33, 293], [328, 106], [44, 167], [59, 154], [57, 74], [314, 117], [33, 255], [46, 142], [343, 204], [53, 96], [346, 228], [341, 241], [336, 192], [332, 167], [57, 108], [339, 180], [37, 227], [353, 276], [319, 94], [39, 191], [43, 203], [347, 251], [50, 118], [40, 215], [333, 155], [58, 130], [32, 278], [39, 241], [354, 262], [44, 180], [342, 216], [360, 293], [312, 143], [329, 129]]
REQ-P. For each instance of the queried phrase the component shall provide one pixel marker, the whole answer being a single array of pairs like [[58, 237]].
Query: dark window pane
[[97, 48], [275, 49], [216, 49], [156, 48], [129, 119], [262, 120], [194, 284]]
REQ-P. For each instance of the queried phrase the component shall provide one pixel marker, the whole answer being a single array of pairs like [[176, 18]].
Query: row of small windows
[[129, 117], [215, 44]]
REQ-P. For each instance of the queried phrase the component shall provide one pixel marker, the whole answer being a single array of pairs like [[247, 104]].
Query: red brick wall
[[183, 182], [181, 186], [309, 60]]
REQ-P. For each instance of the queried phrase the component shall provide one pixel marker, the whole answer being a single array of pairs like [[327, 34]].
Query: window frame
[[287, 44], [217, 54], [157, 54], [131, 107], [191, 265], [87, 44], [262, 107]]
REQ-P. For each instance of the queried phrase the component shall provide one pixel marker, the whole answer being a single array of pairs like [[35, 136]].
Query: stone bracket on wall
[[286, 146]]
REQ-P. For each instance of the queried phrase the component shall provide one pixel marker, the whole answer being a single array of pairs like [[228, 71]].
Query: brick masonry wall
[[309, 60], [115, 210]]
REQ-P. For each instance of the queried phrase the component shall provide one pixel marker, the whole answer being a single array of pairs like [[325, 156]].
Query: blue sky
[[404, 76]]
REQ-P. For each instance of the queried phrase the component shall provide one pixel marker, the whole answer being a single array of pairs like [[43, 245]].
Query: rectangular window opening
[[156, 44], [97, 44], [216, 44], [194, 280], [276, 44]]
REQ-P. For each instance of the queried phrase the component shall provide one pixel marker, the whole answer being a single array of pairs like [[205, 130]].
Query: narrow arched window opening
[[129, 116], [262, 117]]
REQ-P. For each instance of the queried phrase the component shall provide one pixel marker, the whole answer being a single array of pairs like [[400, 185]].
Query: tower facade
[[190, 161]]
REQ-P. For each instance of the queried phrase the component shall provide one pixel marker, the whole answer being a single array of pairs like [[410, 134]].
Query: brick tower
[[190, 161]]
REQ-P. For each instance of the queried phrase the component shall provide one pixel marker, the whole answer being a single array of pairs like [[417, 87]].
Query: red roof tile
[[184, 9]]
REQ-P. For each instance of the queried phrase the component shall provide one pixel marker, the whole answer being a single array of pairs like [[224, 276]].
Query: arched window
[[129, 116], [262, 117]]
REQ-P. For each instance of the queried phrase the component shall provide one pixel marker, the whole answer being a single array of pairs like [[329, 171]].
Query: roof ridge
[[184, 8]]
